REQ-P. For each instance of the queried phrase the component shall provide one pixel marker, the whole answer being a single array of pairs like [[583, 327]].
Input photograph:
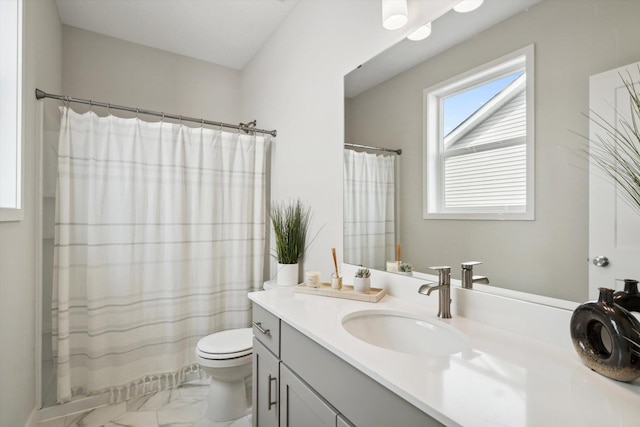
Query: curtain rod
[[369, 147], [246, 127]]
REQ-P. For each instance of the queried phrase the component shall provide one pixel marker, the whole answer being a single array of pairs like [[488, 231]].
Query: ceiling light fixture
[[420, 33], [394, 14], [467, 5]]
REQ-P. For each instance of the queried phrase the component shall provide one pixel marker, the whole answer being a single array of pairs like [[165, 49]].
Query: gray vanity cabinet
[[300, 405], [266, 378], [299, 383]]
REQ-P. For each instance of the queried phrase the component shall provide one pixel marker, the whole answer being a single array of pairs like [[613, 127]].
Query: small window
[[10, 109], [479, 142]]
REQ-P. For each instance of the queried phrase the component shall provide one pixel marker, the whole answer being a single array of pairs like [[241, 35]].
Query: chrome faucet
[[467, 277], [444, 286]]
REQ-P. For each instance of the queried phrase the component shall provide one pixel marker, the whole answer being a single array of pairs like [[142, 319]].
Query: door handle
[[275, 402], [601, 261]]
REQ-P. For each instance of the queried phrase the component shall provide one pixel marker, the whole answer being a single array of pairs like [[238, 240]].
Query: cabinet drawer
[[266, 328]]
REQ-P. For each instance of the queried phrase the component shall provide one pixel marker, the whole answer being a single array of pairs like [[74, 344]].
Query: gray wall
[[42, 56], [295, 83], [548, 256], [107, 69]]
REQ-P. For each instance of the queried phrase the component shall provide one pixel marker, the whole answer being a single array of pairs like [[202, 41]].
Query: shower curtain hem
[[147, 384]]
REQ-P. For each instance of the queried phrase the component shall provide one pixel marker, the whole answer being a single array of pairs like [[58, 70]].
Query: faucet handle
[[444, 274], [441, 268], [468, 264]]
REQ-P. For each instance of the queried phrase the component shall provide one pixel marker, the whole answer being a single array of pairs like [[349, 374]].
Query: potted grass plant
[[616, 150], [290, 223]]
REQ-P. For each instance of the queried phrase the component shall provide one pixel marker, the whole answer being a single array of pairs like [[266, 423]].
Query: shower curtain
[[369, 208], [159, 235]]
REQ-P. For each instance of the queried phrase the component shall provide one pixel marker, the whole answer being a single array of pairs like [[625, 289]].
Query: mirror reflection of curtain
[[369, 208]]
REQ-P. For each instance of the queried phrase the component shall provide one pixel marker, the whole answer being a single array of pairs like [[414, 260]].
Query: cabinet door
[[300, 405], [265, 387]]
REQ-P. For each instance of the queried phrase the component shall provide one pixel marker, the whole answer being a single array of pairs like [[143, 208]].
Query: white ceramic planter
[[362, 284], [287, 274]]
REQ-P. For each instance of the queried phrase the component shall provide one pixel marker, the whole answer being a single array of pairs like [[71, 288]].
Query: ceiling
[[449, 30], [223, 32], [231, 32]]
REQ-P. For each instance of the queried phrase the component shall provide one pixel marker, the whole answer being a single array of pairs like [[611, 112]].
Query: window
[[10, 109], [479, 142]]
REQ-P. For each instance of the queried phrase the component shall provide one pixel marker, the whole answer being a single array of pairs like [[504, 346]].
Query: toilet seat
[[226, 345]]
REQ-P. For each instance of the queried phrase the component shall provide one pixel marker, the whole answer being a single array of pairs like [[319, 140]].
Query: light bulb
[[467, 5], [421, 32], [394, 14]]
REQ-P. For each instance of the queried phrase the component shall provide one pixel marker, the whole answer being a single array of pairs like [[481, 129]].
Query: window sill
[[485, 216], [7, 214]]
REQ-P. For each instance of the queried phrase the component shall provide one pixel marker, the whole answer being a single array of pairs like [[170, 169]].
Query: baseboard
[[79, 405]]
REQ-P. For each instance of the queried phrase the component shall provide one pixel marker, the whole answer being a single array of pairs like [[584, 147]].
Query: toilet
[[226, 357]]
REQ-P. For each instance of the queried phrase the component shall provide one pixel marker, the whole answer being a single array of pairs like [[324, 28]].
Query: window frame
[[15, 212], [433, 139]]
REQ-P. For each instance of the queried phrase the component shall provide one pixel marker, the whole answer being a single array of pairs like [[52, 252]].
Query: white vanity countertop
[[505, 380]]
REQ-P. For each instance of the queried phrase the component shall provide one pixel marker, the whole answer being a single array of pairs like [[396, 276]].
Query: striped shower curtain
[[159, 235], [369, 209]]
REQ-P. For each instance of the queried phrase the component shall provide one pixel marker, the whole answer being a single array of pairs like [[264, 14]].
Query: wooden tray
[[347, 292]]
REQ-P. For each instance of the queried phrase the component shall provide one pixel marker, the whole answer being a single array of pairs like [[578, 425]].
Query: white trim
[[433, 191], [14, 213], [38, 245], [7, 214]]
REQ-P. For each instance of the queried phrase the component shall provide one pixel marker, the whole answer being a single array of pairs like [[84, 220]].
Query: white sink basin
[[405, 333]]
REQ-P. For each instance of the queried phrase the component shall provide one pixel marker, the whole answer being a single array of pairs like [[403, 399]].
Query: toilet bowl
[[226, 357]]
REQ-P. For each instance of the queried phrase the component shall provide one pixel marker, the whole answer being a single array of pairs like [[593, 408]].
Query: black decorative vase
[[629, 298], [607, 338]]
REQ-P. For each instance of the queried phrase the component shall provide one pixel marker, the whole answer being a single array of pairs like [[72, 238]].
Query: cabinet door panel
[[301, 407], [265, 387]]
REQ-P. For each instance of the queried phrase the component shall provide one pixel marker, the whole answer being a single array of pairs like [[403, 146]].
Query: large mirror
[[572, 40]]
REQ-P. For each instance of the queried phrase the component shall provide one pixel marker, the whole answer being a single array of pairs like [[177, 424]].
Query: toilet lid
[[226, 344]]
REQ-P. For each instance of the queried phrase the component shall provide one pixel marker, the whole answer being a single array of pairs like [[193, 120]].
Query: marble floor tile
[[241, 422], [96, 417], [183, 410], [135, 419], [194, 390], [54, 422], [153, 402], [185, 406]]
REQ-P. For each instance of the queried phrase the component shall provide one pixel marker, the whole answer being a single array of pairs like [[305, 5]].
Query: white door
[[614, 228]]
